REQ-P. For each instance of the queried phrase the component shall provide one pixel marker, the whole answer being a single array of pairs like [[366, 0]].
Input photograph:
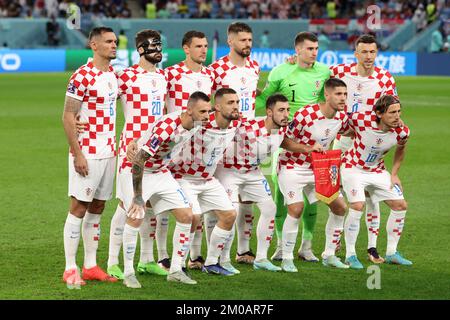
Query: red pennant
[[326, 168]]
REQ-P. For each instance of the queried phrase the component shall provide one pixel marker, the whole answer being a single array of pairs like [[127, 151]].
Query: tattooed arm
[[71, 109], [292, 146], [138, 173]]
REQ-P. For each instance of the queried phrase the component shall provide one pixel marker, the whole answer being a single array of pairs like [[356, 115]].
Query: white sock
[[90, 232], [130, 235], [264, 230], [116, 234], [289, 237], [72, 229], [162, 226], [225, 255], [244, 226], [216, 244], [210, 222], [196, 241], [147, 234], [333, 230], [394, 230], [181, 244], [372, 222], [351, 227]]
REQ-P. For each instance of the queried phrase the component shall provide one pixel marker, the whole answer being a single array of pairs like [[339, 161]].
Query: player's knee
[[185, 217], [400, 206], [358, 206], [295, 210], [97, 207], [228, 217]]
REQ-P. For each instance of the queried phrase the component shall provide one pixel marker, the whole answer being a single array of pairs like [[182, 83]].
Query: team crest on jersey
[[379, 141], [71, 88], [334, 175], [243, 80], [318, 82], [153, 82], [291, 194], [110, 85], [359, 87], [327, 132], [199, 84]]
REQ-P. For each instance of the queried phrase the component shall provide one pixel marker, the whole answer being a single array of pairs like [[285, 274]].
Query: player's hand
[[291, 59], [137, 209], [81, 126], [81, 165], [132, 150], [401, 124], [395, 180], [317, 147]]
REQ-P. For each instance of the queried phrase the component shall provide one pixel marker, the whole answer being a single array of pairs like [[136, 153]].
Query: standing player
[[317, 123], [366, 84], [91, 97], [302, 83], [363, 171], [142, 89], [151, 181], [241, 73], [257, 139], [196, 175], [185, 78]]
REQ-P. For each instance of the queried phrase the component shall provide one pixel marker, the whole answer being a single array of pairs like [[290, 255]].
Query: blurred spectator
[[123, 40], [437, 39], [332, 9], [324, 41], [315, 12], [431, 12], [253, 10], [283, 9], [420, 18], [150, 10], [204, 9], [264, 40], [172, 7], [163, 13], [125, 12], [164, 42], [183, 9], [227, 9], [53, 32]]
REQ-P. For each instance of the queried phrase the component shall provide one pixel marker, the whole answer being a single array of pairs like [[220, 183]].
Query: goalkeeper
[[302, 83]]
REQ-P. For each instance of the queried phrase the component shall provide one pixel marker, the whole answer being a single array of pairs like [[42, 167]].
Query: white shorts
[[250, 186], [355, 181], [293, 183], [161, 189], [206, 195], [344, 143], [99, 182]]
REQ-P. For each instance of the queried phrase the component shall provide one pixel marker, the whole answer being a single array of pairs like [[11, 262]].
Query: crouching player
[[363, 170]]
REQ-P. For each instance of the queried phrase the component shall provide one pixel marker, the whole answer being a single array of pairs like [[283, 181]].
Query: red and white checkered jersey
[[143, 95], [182, 82], [370, 143], [199, 158], [309, 126], [98, 92], [244, 80], [363, 92], [166, 135], [252, 144]]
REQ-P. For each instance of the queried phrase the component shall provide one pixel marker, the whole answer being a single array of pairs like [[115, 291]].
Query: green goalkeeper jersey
[[301, 86]]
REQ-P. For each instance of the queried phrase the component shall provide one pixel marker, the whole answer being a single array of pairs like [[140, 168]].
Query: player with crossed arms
[[363, 170]]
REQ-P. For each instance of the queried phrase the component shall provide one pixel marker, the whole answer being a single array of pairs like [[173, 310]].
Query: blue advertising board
[[32, 60], [398, 63]]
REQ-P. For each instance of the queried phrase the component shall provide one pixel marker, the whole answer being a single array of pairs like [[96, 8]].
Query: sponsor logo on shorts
[[353, 192], [291, 194], [88, 191], [229, 192]]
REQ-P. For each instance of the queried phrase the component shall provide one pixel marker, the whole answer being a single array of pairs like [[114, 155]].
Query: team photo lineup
[[193, 147]]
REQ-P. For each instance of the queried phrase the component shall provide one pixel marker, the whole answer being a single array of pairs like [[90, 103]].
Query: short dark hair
[[188, 36], [305, 35], [144, 35], [382, 104], [273, 99], [97, 31], [366, 38], [223, 91], [334, 83], [237, 27], [198, 95]]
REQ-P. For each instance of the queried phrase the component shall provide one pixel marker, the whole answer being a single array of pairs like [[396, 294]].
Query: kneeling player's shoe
[[246, 257], [335, 262], [265, 265], [196, 264], [229, 267], [217, 269], [278, 255], [164, 263], [288, 265], [131, 281], [151, 268], [397, 258], [354, 263], [115, 271], [374, 256], [307, 256], [180, 276], [72, 279], [96, 273]]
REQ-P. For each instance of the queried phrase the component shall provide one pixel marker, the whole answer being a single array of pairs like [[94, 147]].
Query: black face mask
[[156, 44]]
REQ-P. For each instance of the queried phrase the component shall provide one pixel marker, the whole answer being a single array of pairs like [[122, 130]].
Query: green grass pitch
[[35, 204]]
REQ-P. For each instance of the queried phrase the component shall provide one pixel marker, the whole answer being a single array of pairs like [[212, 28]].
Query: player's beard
[[232, 116], [152, 59], [244, 54], [279, 124]]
